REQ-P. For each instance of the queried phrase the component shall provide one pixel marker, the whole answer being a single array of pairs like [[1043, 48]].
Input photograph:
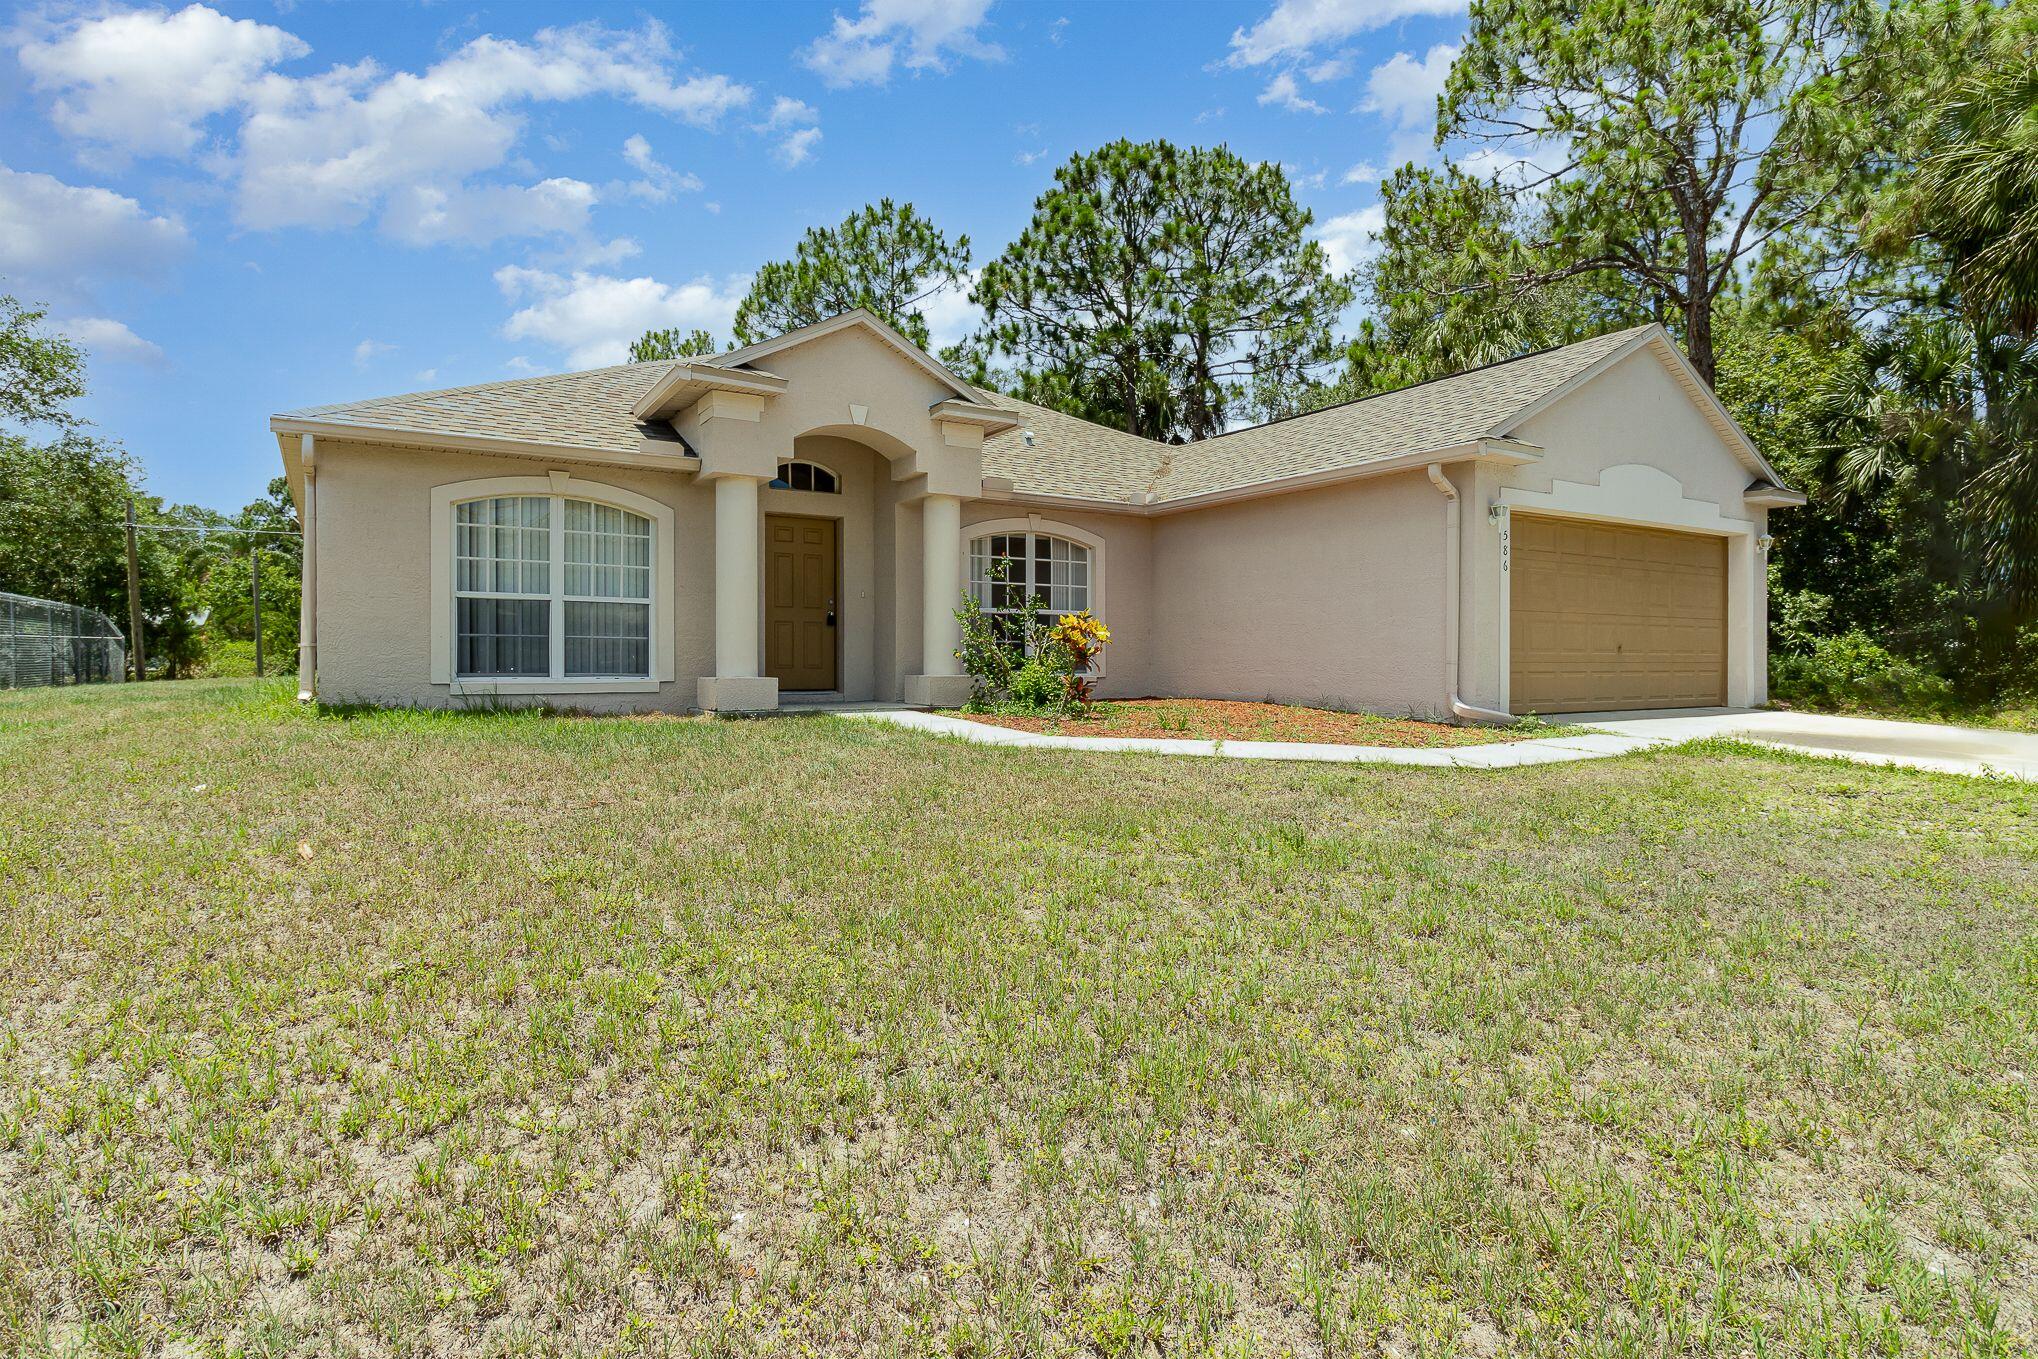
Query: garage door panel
[[1608, 616]]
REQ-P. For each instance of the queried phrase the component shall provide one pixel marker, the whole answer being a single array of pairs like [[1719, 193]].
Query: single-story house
[[1583, 528]]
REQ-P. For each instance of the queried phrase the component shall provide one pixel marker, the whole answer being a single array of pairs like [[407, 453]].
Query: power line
[[115, 524]]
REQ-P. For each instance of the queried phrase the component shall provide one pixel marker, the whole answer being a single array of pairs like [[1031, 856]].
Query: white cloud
[[950, 315], [358, 141], [105, 338], [1028, 157], [798, 147], [523, 367], [425, 214], [921, 34], [1333, 68], [1352, 238], [56, 239], [1283, 90], [1406, 90], [1293, 28], [331, 149], [144, 81], [789, 112], [1365, 172], [593, 317], [426, 375], [366, 351], [659, 181]]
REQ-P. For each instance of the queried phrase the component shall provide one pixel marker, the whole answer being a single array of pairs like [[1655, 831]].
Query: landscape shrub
[[1851, 670]]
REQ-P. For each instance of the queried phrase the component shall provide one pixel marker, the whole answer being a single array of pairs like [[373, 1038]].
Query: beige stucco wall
[[375, 571], [1331, 596], [1633, 416]]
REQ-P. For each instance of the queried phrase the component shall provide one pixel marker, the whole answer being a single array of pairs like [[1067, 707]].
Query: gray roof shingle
[[573, 410], [1051, 453]]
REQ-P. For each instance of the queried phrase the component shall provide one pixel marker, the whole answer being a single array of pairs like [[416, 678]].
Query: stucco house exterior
[[1583, 528]]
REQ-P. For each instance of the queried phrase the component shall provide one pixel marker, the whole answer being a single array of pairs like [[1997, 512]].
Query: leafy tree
[[40, 373], [1157, 288], [671, 344], [1685, 134], [1080, 299], [886, 258], [1973, 202], [1253, 299], [61, 509]]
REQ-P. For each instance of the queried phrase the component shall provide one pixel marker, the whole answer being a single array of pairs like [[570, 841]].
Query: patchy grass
[[1209, 719], [2011, 715], [406, 1034]]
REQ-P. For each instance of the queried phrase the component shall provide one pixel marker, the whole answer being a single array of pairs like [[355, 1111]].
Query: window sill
[[482, 688]]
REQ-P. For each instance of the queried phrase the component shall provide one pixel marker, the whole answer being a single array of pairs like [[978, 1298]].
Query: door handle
[[831, 618]]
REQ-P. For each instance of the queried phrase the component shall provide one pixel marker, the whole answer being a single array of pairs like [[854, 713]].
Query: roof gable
[[857, 319]]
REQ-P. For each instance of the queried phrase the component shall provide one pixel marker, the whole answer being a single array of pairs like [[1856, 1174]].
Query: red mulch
[[1208, 719]]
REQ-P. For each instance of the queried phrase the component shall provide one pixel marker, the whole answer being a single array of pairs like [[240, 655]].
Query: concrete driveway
[[1917, 745]]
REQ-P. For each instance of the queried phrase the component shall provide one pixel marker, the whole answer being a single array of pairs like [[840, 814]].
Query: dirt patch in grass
[[1212, 719]]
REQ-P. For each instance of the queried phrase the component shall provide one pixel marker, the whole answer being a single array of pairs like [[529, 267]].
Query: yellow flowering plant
[[1080, 636]]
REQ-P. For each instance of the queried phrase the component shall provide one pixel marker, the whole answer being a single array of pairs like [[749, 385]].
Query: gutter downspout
[[1452, 550], [307, 612]]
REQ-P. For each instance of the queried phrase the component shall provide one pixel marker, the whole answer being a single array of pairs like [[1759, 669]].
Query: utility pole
[[255, 589], [134, 600]]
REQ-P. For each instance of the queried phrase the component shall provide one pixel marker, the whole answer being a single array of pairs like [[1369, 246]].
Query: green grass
[[408, 1034], [2019, 714]]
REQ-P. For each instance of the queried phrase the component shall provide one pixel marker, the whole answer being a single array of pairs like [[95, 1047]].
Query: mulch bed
[[1208, 719]]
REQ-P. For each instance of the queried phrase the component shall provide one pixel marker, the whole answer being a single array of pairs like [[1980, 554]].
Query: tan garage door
[[1607, 617]]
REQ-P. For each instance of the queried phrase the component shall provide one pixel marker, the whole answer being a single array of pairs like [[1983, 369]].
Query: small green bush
[[1851, 670], [1041, 683]]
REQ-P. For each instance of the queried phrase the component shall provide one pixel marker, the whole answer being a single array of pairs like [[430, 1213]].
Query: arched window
[[550, 587], [1008, 572], [797, 474]]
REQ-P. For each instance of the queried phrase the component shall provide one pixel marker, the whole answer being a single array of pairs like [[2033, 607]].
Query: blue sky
[[241, 209]]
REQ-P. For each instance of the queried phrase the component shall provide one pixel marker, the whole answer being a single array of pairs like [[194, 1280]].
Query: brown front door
[[1607, 617], [799, 601]]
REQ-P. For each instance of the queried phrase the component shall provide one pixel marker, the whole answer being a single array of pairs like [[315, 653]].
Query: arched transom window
[[797, 474], [1010, 571], [550, 587]]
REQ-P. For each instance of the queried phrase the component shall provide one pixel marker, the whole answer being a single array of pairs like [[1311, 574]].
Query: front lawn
[[1209, 719], [402, 1034]]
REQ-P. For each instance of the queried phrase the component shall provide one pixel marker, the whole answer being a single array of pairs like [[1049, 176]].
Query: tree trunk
[[1698, 336]]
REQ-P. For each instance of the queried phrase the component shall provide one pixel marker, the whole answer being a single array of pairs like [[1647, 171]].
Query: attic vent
[[1026, 435]]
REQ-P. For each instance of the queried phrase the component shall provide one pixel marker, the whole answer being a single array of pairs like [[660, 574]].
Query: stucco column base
[[937, 691], [736, 694]]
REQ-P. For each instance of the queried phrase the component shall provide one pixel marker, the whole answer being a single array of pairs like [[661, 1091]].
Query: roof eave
[[668, 453], [688, 380], [990, 419], [1772, 496]]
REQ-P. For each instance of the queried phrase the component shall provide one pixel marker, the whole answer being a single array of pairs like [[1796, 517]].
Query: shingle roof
[[1052, 453], [1439, 414], [1071, 456], [574, 410]]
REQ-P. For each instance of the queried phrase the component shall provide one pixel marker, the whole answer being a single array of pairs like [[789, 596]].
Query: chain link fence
[[43, 642]]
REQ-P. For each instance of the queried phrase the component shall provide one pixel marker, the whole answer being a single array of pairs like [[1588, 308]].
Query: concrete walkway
[[1917, 745]]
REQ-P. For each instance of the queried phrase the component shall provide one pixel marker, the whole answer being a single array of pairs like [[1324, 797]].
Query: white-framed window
[[797, 474], [1019, 563], [517, 617], [548, 584]]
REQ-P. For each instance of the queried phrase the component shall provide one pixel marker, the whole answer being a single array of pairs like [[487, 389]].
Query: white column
[[940, 584], [307, 609], [737, 601]]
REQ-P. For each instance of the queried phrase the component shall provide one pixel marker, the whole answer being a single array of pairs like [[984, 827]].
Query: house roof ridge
[[498, 384]]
